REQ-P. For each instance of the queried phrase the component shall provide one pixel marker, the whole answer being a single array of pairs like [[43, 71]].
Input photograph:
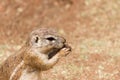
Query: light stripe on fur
[[15, 70]]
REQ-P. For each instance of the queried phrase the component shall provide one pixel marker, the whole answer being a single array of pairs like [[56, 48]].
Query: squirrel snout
[[61, 39]]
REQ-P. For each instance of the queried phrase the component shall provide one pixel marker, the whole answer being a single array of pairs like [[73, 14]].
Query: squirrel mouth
[[54, 51]]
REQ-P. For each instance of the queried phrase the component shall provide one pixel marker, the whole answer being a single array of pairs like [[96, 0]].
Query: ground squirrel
[[41, 51]]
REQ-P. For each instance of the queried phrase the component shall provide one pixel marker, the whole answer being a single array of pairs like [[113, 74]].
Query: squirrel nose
[[62, 40]]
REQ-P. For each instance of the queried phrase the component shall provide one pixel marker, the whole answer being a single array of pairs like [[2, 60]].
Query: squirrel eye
[[51, 38], [36, 40]]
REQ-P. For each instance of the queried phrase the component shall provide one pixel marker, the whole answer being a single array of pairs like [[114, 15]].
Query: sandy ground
[[92, 27]]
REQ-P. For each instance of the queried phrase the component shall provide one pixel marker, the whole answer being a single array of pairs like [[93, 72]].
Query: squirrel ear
[[34, 40]]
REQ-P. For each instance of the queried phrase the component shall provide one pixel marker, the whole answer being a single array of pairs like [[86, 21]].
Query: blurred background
[[92, 28]]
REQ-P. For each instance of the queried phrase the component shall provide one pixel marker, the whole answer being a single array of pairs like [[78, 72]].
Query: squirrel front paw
[[65, 51]]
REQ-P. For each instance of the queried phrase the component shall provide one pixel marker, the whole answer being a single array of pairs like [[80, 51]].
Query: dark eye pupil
[[50, 38]]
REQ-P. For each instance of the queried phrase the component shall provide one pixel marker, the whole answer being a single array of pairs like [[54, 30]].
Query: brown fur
[[42, 51]]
